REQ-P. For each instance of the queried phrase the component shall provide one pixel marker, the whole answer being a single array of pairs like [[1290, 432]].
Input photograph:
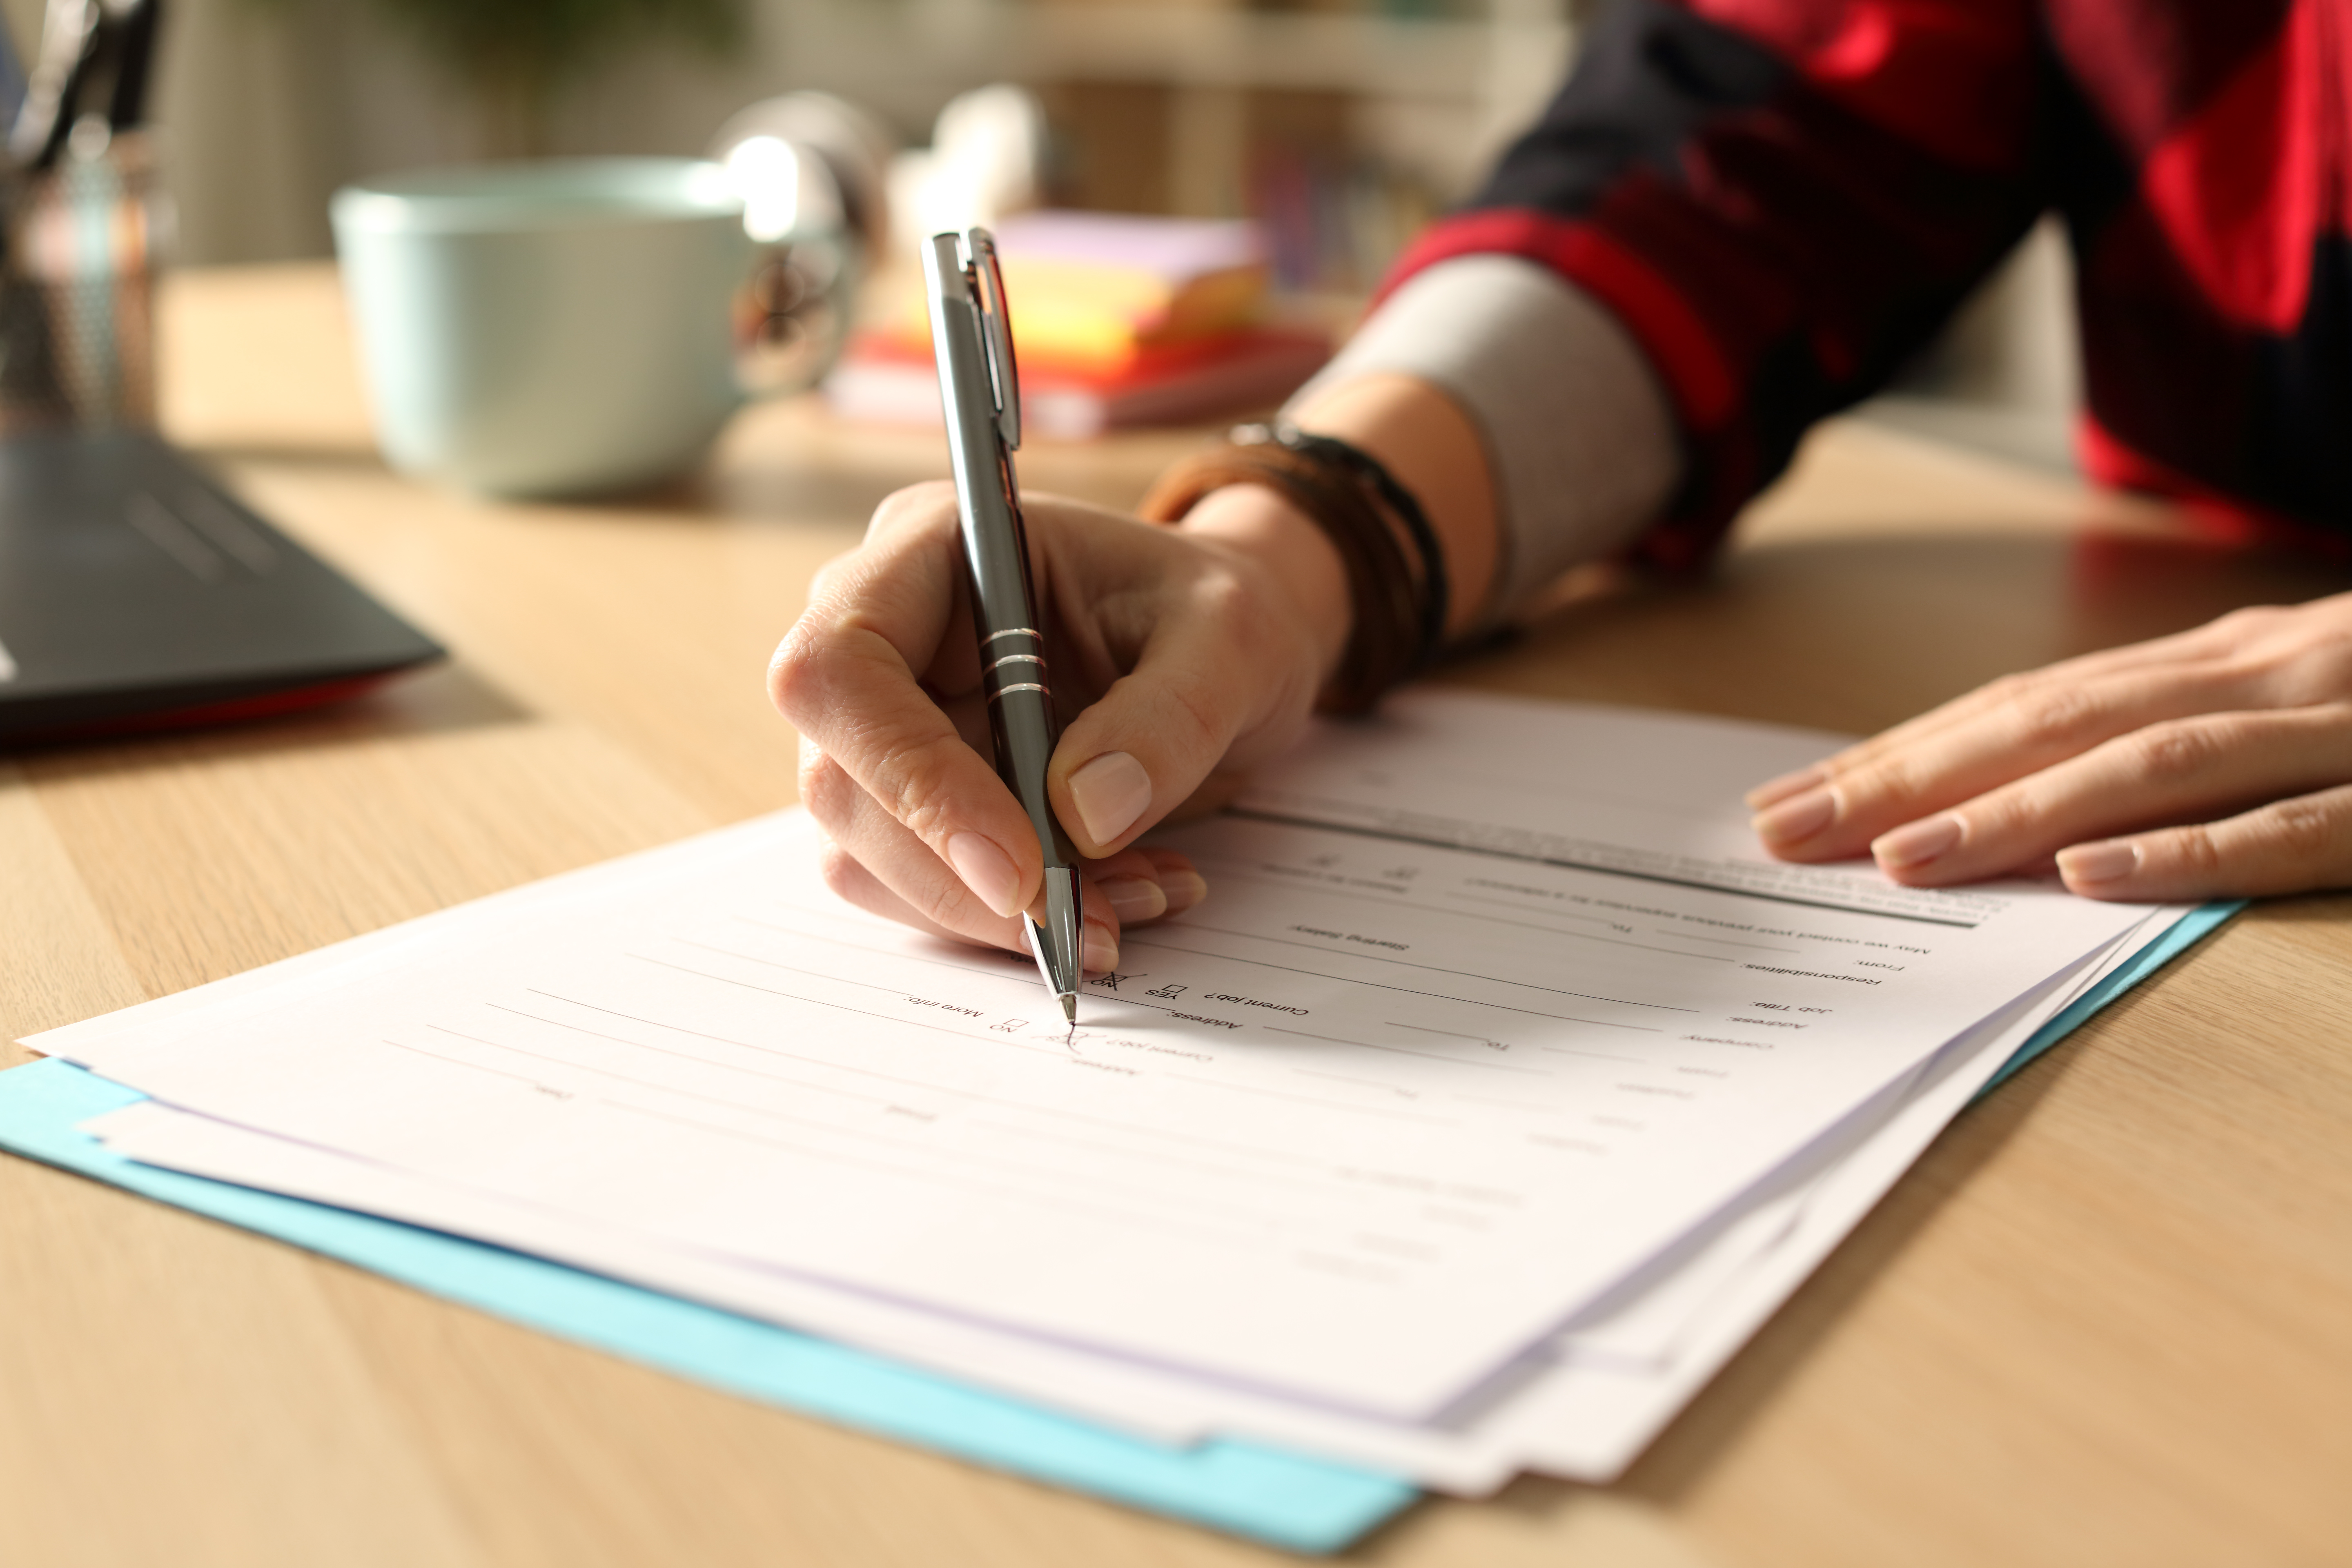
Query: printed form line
[[1441, 969], [1392, 835], [960, 1158], [1438, 995]]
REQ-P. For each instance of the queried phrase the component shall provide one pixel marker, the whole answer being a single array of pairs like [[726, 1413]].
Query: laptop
[[137, 594]]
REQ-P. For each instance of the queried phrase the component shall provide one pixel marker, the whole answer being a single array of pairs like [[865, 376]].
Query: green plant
[[518, 56]]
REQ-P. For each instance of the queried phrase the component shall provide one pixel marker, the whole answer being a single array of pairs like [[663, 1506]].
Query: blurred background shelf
[[1343, 125]]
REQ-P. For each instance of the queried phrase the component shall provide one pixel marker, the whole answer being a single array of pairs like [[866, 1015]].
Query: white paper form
[[1569, 1411], [1649, 1317], [1432, 1221]]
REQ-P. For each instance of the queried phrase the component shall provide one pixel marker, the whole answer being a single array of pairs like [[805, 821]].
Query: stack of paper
[[1117, 319], [1497, 1094]]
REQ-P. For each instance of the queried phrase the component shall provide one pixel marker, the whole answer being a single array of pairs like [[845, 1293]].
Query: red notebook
[[882, 381]]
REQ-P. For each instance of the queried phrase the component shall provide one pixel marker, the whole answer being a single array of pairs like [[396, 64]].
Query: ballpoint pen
[[981, 395]]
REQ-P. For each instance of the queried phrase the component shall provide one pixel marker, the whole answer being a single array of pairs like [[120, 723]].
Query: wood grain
[[2107, 1318]]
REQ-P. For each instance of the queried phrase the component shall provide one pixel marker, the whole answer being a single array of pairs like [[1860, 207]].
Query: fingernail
[[1797, 819], [1772, 791], [1110, 793], [987, 870], [1100, 953], [1183, 889], [1918, 842], [1134, 899], [2090, 863]]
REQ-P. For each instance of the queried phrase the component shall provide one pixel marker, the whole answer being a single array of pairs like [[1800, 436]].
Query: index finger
[[2182, 650], [2025, 733], [845, 675]]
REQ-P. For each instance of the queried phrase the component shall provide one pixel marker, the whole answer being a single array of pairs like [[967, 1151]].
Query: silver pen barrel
[[977, 389]]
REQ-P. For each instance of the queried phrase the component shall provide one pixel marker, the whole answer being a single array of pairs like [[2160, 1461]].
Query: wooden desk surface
[[2108, 1319]]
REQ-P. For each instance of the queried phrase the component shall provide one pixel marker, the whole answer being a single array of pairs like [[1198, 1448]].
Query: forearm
[[1521, 413], [1428, 444]]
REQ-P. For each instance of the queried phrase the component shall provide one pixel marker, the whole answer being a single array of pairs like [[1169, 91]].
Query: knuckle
[[1887, 781], [842, 873], [2003, 815], [2197, 852], [2175, 751], [2010, 686], [910, 782], [801, 673], [2014, 691], [943, 901], [828, 792], [2311, 667], [2052, 716], [1232, 603], [2253, 621], [915, 506], [2301, 832], [787, 680], [1196, 716]]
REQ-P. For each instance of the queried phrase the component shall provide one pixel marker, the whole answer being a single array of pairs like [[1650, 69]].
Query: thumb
[[1205, 683]]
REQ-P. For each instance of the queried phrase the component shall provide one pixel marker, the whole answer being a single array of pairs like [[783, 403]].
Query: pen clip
[[996, 335]]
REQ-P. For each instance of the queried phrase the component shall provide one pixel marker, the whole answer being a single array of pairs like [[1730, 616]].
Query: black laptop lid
[[134, 591]]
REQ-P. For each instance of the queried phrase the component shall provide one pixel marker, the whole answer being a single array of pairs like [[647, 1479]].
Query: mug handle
[[811, 231]]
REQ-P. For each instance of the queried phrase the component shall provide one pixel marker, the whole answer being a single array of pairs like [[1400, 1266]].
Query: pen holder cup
[[78, 287]]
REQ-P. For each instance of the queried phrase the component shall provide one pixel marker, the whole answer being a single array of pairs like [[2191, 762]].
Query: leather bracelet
[[1396, 571]]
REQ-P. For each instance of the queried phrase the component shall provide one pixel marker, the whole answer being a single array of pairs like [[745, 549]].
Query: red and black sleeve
[[1780, 199]]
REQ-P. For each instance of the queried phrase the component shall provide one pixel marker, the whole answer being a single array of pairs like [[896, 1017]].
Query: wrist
[[1431, 447], [1261, 525]]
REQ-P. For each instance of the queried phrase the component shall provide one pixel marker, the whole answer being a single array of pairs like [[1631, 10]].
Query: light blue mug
[[545, 329]]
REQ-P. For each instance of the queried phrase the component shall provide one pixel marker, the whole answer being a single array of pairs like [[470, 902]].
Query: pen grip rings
[[1022, 668]]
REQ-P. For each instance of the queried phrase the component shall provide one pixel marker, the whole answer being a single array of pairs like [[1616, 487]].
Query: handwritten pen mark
[[1385, 960], [1425, 1055], [1440, 996], [1564, 1050]]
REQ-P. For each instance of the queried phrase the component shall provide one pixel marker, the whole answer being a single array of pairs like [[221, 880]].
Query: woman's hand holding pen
[[1182, 657], [2215, 763], [1193, 652]]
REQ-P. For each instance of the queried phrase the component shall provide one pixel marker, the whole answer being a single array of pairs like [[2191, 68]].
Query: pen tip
[[1070, 1010]]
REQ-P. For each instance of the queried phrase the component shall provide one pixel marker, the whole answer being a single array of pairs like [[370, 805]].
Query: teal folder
[[1287, 1499]]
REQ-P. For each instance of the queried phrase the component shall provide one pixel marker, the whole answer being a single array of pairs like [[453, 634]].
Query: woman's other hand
[[2217, 764], [1193, 651]]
